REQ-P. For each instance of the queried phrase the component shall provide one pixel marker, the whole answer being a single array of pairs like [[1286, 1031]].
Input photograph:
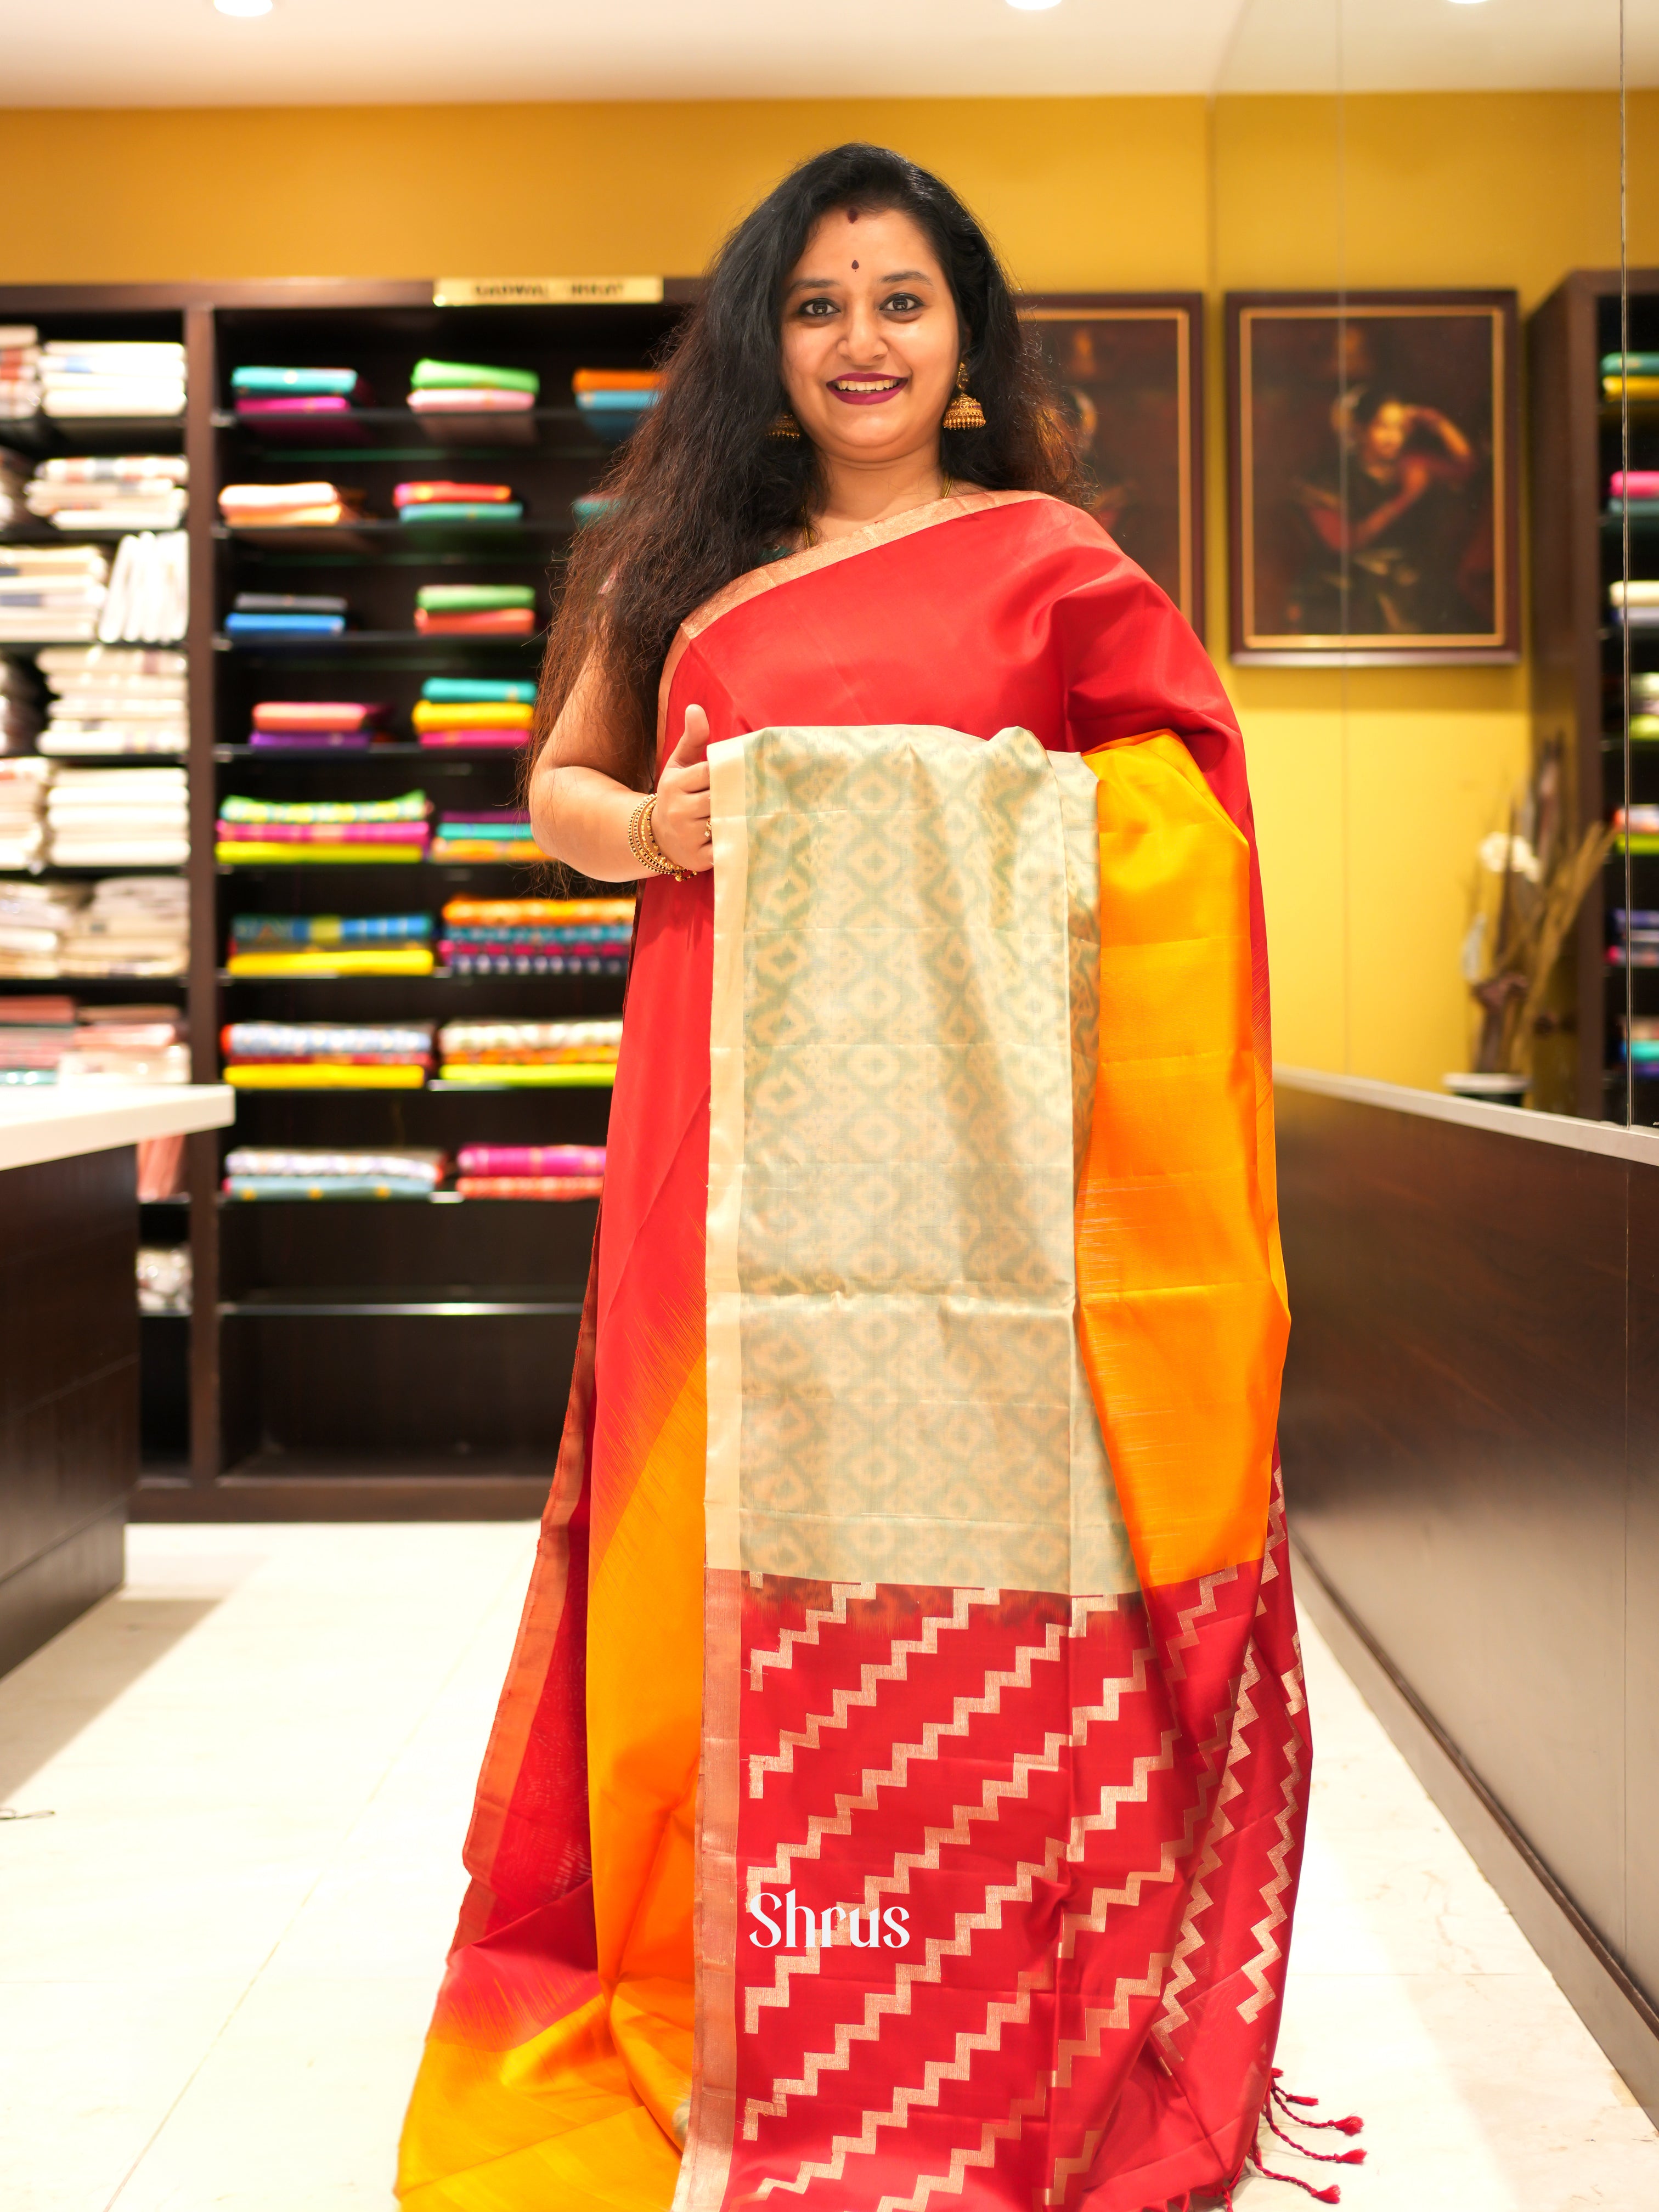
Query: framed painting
[[1373, 510], [1130, 370]]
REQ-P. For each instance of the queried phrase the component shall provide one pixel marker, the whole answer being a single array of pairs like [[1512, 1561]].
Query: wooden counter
[[1470, 1434], [69, 1339]]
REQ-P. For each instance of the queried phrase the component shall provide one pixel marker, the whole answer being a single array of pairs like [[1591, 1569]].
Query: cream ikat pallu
[[997, 1837]]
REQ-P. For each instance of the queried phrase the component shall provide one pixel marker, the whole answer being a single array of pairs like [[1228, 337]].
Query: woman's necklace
[[809, 533]]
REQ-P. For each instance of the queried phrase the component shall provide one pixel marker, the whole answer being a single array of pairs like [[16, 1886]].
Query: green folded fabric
[[462, 510], [468, 375], [473, 599]]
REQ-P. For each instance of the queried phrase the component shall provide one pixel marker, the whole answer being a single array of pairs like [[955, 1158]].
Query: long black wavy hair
[[702, 494]]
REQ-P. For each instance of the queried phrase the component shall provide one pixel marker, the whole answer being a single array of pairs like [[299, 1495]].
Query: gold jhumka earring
[[783, 426], [964, 411]]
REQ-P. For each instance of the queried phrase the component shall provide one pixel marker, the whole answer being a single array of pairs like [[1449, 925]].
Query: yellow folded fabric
[[560, 1075], [310, 1075], [466, 715], [385, 960], [1633, 388], [251, 854]]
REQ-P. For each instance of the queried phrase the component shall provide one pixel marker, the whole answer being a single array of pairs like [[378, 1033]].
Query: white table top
[[55, 1124]]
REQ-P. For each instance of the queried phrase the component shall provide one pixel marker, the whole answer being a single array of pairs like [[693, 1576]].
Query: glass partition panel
[[1416, 236]]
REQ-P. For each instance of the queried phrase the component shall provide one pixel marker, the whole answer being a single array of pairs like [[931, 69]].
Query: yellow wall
[[1372, 788]]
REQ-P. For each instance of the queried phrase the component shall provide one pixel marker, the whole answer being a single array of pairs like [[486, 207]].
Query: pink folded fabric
[[530, 1160], [1643, 483], [322, 833]]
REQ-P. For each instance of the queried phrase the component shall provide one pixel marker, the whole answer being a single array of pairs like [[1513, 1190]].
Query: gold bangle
[[642, 843]]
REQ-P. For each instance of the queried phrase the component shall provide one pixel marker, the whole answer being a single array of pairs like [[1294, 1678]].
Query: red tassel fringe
[[1286, 2103]]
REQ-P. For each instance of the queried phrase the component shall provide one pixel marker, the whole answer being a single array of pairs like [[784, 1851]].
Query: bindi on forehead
[[855, 264]]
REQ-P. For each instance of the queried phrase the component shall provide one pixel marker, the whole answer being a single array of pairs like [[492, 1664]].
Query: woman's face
[[1386, 432], [869, 338]]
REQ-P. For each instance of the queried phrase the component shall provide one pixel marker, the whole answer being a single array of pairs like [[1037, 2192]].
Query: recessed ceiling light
[[244, 7], [1031, 7], [1468, 4]]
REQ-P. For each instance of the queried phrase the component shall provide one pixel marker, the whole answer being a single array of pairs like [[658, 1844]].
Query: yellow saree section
[[1182, 1319], [589, 2111]]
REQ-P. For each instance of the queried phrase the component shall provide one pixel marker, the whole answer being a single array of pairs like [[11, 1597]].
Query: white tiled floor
[[217, 1957]]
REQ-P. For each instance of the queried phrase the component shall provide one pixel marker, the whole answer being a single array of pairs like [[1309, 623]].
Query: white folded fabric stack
[[14, 487], [51, 590], [113, 699], [25, 780], [34, 920], [109, 491], [149, 596], [118, 817], [132, 926], [115, 1044], [20, 372], [92, 376], [20, 710], [164, 1279]]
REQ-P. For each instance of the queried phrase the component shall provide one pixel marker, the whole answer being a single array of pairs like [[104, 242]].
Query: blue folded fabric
[[314, 382], [615, 402], [323, 1188], [473, 690], [261, 625]]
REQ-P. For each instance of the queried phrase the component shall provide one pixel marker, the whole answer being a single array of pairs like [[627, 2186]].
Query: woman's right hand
[[679, 821]]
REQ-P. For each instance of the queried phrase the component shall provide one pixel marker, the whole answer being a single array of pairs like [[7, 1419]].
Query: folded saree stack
[[114, 699], [466, 387], [1636, 603], [439, 501], [1639, 824], [487, 834], [537, 937], [533, 1171], [126, 1045], [1630, 375], [327, 1055], [262, 395], [147, 601], [34, 1035], [83, 377], [114, 491], [269, 832], [1642, 486], [259, 1171], [547, 1055], [314, 506], [1640, 1043], [475, 610], [276, 945], [25, 780], [613, 401], [52, 592], [20, 372], [131, 926], [34, 920], [469, 712], [286, 614], [118, 817], [302, 725]]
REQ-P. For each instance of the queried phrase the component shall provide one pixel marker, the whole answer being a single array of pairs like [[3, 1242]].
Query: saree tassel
[[1331, 2196], [1350, 2125], [1325, 2157]]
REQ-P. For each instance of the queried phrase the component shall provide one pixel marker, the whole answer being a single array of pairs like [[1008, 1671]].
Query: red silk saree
[[896, 1797]]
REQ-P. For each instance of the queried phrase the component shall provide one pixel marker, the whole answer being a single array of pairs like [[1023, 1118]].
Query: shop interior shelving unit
[[397, 1357], [400, 1357], [1574, 441]]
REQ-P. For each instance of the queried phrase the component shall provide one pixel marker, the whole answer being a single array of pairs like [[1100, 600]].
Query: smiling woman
[[900, 1777]]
